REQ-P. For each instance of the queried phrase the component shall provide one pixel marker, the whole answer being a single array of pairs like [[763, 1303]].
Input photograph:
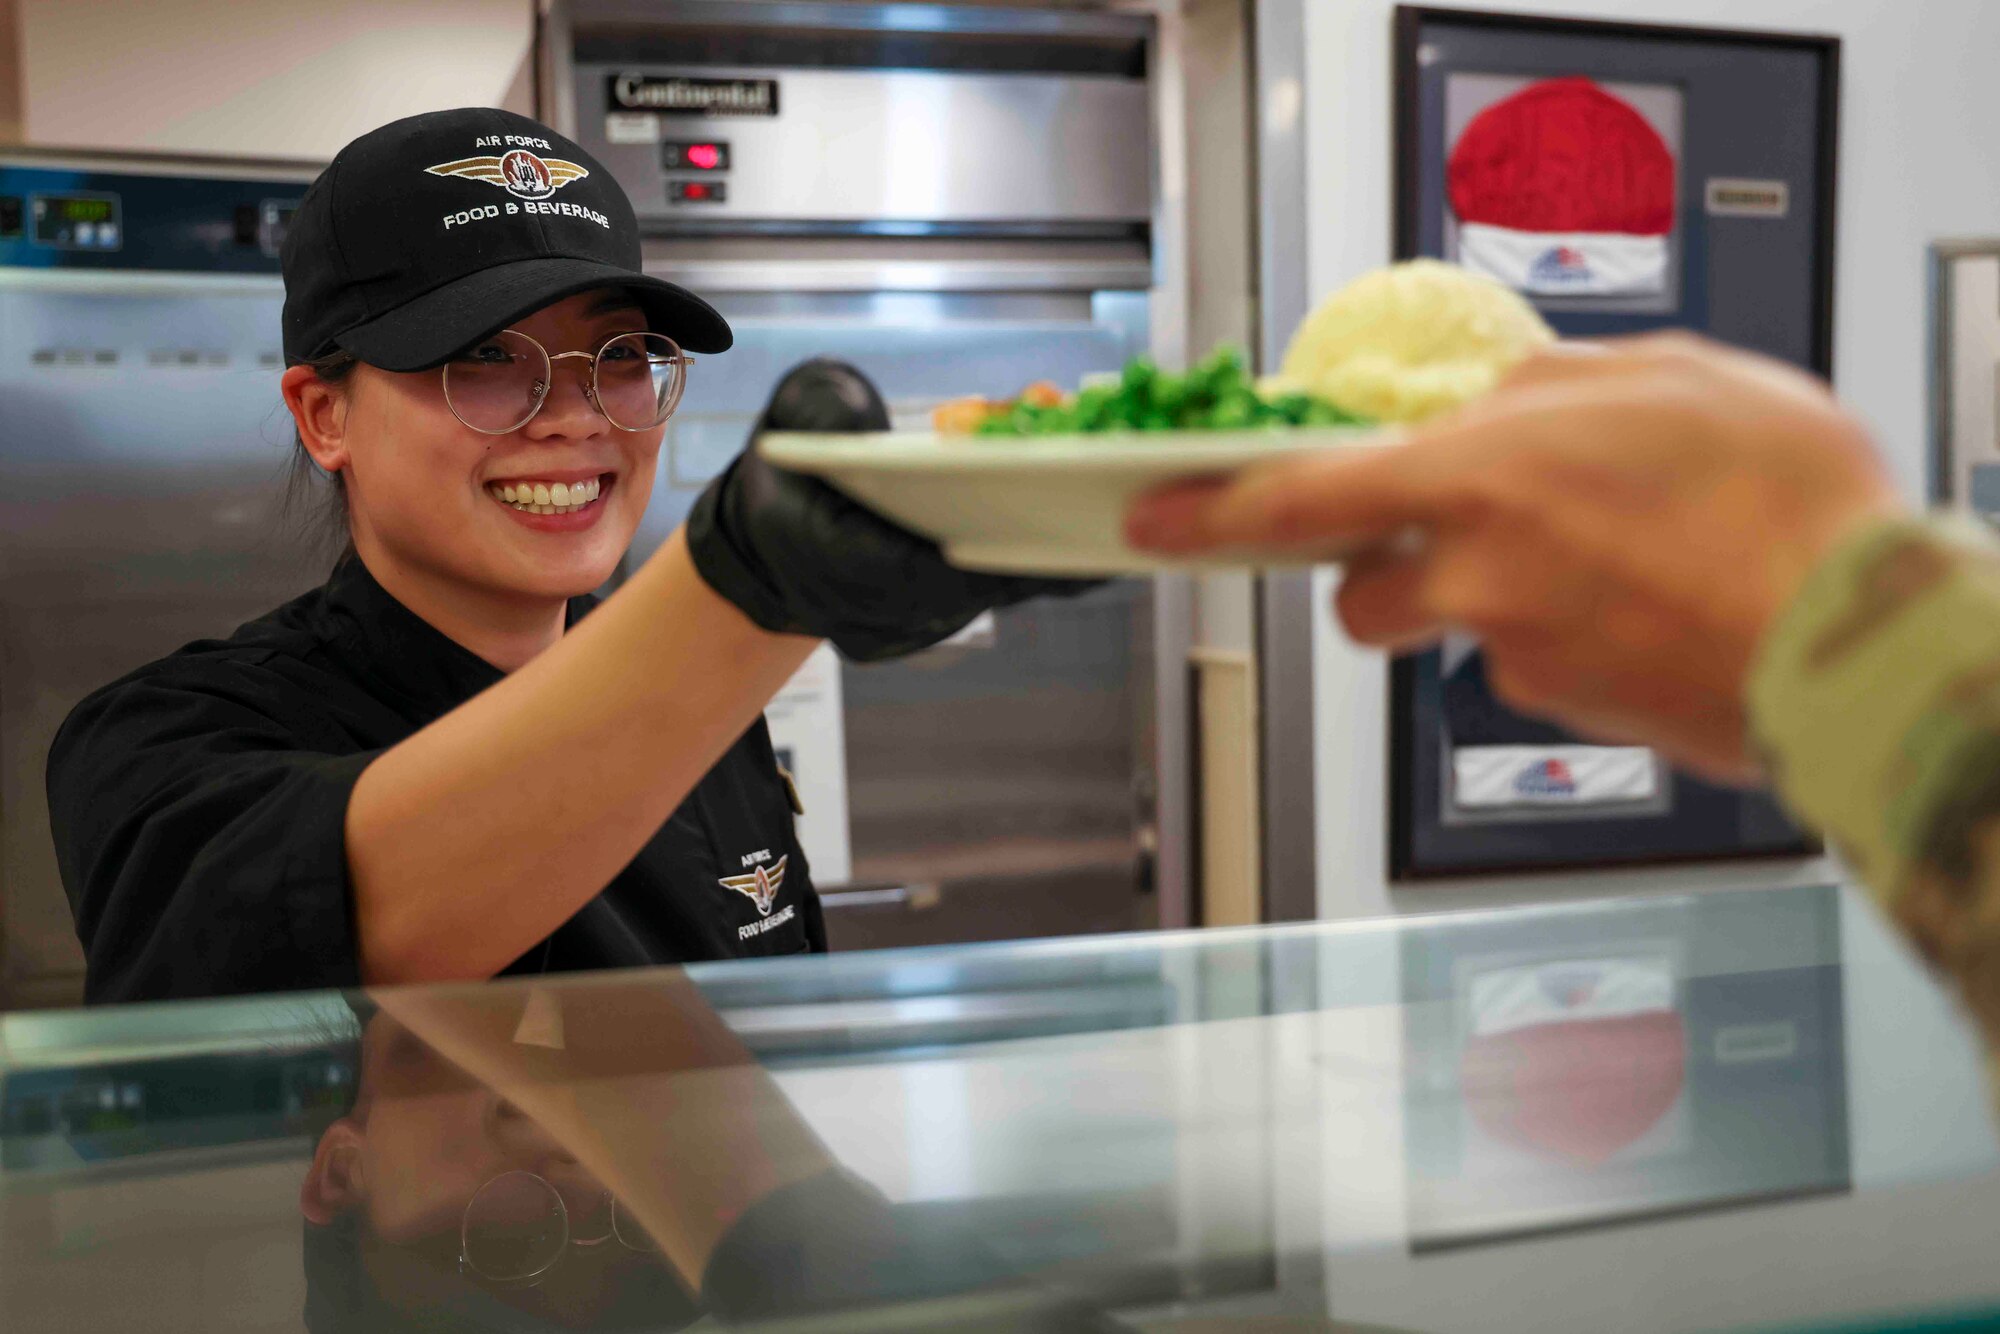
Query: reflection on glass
[[1194, 1131], [609, 1155], [432, 1197], [1575, 1061], [1569, 1072]]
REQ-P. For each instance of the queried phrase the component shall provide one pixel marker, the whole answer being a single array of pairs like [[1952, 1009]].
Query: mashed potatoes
[[1411, 341]]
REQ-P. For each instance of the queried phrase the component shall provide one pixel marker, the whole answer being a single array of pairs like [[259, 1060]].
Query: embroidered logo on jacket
[[519, 172], [761, 886]]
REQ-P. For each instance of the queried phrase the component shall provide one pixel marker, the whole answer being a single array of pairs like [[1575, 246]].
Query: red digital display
[[697, 192], [695, 155]]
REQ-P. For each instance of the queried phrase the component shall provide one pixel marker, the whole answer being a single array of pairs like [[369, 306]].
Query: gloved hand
[[798, 557]]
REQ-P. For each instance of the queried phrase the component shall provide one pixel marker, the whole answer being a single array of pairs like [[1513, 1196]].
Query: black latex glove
[[800, 558]]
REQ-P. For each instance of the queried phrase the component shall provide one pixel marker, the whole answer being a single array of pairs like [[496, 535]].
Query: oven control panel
[[83, 218]]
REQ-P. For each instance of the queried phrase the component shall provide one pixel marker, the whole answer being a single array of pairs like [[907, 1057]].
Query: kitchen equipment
[[143, 451], [957, 199]]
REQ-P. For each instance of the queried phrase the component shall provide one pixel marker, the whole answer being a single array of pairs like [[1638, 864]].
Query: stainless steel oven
[[958, 199], [143, 448]]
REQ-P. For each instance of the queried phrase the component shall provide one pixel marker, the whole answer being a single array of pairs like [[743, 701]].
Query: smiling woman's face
[[427, 492]]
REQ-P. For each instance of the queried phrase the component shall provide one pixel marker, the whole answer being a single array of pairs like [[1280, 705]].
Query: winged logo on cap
[[518, 173], [761, 886]]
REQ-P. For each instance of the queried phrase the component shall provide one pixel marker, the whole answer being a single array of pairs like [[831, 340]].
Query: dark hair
[[321, 520]]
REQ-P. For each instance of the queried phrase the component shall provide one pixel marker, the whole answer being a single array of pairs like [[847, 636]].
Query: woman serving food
[[450, 761]]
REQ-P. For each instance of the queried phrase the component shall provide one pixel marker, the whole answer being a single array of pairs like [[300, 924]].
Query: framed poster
[[1965, 377], [1567, 1071], [1623, 178]]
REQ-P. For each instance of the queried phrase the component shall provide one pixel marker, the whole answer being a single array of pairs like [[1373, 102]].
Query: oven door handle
[[911, 898]]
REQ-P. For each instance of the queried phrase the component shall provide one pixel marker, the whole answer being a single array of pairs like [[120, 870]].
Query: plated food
[[1218, 395], [1411, 341], [1040, 482], [1396, 345]]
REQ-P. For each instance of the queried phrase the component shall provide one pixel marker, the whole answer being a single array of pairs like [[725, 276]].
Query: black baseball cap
[[426, 235]]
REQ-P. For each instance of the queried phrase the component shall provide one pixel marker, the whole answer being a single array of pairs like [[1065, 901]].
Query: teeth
[[548, 497]]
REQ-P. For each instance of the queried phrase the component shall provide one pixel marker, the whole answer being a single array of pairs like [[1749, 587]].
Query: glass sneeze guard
[[1736, 1110]]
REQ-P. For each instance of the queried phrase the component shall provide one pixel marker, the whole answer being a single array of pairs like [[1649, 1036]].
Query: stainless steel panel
[[628, 17], [1285, 602], [142, 452], [753, 262], [877, 147], [1283, 283], [882, 273], [1170, 803], [144, 438], [1285, 612]]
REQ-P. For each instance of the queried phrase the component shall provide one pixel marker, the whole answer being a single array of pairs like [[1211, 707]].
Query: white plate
[[1052, 504]]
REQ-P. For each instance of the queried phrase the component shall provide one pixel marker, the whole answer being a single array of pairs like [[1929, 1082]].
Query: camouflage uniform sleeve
[[1876, 702]]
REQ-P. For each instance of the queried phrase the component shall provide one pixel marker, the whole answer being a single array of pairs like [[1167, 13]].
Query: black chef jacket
[[198, 807]]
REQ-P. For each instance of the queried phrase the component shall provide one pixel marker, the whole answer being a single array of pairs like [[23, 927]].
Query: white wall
[[226, 78], [1918, 161], [10, 73]]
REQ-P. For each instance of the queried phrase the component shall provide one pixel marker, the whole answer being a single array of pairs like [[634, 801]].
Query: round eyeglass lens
[[498, 383], [628, 1231], [639, 378], [591, 1222], [516, 1227]]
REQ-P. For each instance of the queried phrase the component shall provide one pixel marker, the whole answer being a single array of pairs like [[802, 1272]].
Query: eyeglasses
[[516, 1228], [499, 384]]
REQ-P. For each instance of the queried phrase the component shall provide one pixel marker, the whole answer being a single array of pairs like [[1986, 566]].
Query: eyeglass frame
[[468, 1268], [589, 390]]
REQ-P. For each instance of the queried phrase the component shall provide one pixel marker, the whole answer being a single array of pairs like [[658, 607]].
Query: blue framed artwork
[[1623, 178]]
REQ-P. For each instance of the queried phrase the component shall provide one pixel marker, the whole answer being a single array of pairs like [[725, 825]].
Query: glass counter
[[1735, 1110]]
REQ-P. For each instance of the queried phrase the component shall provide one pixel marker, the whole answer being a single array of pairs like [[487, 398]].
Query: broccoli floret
[[1217, 394]]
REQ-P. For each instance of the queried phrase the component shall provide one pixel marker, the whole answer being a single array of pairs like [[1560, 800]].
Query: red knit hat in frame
[[1563, 188]]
